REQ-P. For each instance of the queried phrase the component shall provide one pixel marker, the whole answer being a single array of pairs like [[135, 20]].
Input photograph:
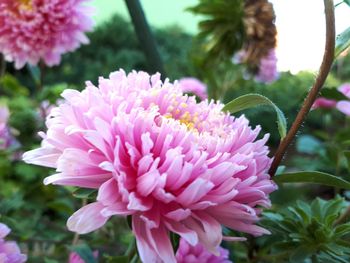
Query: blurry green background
[[159, 13]]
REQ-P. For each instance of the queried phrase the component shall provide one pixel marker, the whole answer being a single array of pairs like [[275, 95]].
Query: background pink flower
[[268, 68], [194, 254], [342, 105], [75, 258], [9, 250], [324, 103], [34, 30], [194, 86], [156, 154], [6, 139]]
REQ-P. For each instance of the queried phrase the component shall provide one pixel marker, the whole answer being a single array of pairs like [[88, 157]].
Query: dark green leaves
[[304, 231], [342, 42], [253, 100], [222, 28], [314, 178]]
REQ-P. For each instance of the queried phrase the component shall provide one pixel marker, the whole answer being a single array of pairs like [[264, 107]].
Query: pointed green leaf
[[342, 42], [253, 100], [313, 178]]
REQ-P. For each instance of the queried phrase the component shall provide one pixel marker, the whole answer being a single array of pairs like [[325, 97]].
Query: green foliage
[[342, 42], [114, 45], [254, 100], [313, 177], [222, 28], [308, 231]]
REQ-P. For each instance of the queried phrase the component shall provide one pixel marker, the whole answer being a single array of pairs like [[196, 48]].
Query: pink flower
[[194, 254], [157, 155], [324, 103], [6, 139], [34, 30], [344, 105], [9, 250], [75, 258], [194, 86], [345, 89], [268, 68]]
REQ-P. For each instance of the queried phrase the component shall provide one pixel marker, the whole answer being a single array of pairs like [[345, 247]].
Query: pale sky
[[300, 25]]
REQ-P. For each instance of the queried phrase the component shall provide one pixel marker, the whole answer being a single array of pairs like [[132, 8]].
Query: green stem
[[313, 93], [146, 39]]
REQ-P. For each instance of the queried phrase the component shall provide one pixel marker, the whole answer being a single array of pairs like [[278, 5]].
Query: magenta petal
[[344, 107], [4, 230], [146, 251], [87, 219]]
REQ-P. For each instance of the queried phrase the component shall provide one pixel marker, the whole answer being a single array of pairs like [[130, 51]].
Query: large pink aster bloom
[[34, 30], [194, 254], [157, 155], [194, 86], [9, 250]]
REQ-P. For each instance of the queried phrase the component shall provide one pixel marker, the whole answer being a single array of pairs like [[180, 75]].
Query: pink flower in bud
[[171, 163], [324, 103]]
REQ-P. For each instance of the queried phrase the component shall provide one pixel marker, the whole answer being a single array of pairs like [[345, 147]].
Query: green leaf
[[332, 93], [253, 100], [342, 42], [83, 192], [85, 253], [314, 178]]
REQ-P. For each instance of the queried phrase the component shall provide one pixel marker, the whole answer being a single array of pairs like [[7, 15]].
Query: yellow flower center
[[26, 5]]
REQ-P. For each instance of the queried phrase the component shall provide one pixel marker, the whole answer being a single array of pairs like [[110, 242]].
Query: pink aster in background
[[6, 138], [195, 254], [194, 86], [157, 155], [34, 30], [9, 250], [268, 68]]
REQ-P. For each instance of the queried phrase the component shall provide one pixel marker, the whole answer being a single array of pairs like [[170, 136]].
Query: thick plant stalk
[[313, 93], [144, 34]]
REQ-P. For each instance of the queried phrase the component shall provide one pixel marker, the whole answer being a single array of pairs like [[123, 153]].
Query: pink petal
[[87, 219]]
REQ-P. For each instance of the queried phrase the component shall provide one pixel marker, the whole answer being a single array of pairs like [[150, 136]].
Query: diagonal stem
[[313, 93]]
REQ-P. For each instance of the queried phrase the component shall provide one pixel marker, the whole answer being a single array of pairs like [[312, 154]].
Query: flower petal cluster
[[193, 254], [155, 154], [342, 105], [194, 86], [9, 250], [34, 30]]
